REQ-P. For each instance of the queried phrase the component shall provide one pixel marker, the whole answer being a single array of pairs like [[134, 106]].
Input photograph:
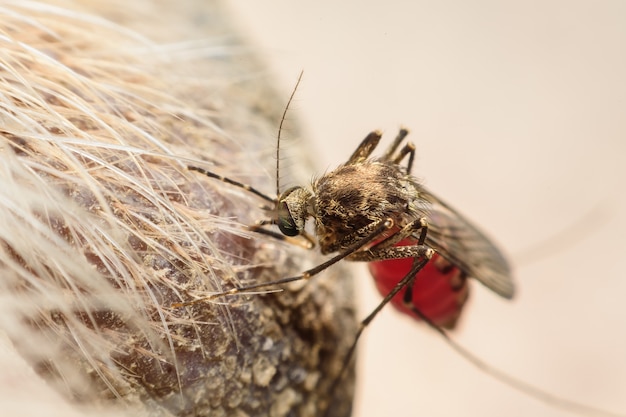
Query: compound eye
[[286, 224]]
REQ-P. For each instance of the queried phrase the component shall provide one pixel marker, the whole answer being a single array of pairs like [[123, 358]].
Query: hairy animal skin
[[102, 228]]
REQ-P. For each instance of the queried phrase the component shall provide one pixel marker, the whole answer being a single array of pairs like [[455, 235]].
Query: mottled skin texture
[[104, 229]]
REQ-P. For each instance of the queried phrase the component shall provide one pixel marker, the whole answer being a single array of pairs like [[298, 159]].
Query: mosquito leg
[[374, 230], [388, 155], [408, 149], [365, 149], [421, 255], [406, 231], [258, 227], [386, 252], [234, 183]]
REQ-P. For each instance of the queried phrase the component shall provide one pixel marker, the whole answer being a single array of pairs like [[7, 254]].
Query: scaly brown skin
[[104, 228]]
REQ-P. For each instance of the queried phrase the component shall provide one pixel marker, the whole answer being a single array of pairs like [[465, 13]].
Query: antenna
[[280, 128]]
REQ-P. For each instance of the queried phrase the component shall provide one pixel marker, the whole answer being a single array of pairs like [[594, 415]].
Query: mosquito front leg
[[237, 184], [375, 229]]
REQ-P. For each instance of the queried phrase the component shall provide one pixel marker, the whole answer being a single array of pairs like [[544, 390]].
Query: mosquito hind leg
[[420, 260], [407, 149], [391, 149]]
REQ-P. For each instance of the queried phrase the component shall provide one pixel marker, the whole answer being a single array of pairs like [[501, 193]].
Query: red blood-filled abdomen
[[439, 292]]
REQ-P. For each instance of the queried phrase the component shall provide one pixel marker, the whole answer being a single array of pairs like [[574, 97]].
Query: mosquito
[[420, 250]]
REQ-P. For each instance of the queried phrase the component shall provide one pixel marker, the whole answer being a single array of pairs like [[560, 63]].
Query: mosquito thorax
[[352, 197], [292, 210]]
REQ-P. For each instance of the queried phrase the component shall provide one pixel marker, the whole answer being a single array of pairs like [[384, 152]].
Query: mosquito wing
[[462, 244]]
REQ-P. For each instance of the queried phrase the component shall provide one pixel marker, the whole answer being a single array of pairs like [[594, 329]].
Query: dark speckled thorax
[[353, 196]]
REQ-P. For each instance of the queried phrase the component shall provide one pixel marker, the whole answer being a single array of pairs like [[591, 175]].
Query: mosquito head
[[292, 210]]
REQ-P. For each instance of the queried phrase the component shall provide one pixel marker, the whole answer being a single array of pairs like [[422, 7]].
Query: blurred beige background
[[517, 109]]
